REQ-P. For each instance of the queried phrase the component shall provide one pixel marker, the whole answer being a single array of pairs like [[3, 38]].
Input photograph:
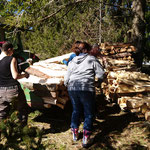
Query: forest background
[[56, 24]]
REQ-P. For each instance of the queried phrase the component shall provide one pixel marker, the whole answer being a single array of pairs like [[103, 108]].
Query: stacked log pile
[[125, 84], [46, 81]]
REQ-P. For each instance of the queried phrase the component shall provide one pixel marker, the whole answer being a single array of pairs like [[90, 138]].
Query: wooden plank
[[49, 100], [36, 72]]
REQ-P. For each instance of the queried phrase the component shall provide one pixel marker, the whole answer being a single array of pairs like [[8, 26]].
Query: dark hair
[[86, 46], [95, 51], [75, 44], [6, 46], [77, 51]]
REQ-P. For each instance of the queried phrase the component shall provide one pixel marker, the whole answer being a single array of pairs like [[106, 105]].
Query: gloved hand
[[26, 75]]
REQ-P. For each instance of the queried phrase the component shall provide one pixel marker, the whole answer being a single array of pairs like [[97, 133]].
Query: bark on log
[[144, 108], [36, 72], [49, 100], [120, 55], [128, 75], [134, 103], [147, 115]]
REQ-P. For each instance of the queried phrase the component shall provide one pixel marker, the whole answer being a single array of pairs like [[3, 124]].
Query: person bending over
[[80, 79]]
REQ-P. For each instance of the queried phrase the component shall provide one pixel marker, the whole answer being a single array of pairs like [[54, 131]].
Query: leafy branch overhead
[[58, 23]]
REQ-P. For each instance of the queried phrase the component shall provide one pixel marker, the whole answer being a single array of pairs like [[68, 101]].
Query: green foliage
[[57, 24], [147, 17], [15, 136]]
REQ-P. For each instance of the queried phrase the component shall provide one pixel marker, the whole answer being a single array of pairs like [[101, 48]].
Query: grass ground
[[113, 129]]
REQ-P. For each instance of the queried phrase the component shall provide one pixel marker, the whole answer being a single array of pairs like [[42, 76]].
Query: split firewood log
[[54, 94], [49, 100], [123, 50], [60, 105], [135, 110], [144, 108], [131, 89], [115, 62], [51, 66], [133, 83], [147, 115], [37, 73], [47, 73], [118, 55], [128, 75], [135, 102]]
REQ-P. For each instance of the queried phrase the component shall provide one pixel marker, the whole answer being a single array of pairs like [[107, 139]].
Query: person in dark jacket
[[80, 79], [10, 88]]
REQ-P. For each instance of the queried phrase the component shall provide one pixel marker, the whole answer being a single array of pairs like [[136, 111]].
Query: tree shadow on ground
[[111, 120], [58, 118]]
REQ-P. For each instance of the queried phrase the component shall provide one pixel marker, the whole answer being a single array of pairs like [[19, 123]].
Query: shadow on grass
[[58, 118], [112, 121]]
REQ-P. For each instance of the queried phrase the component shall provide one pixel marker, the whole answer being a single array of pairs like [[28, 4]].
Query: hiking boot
[[86, 139], [75, 134]]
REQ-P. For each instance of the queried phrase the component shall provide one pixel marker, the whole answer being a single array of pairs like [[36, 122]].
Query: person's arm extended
[[67, 76], [99, 70], [66, 62], [14, 70]]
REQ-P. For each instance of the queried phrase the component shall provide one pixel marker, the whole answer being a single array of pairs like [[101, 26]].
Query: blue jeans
[[82, 101]]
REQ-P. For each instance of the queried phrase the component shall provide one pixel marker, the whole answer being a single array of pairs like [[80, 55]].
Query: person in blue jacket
[[75, 52]]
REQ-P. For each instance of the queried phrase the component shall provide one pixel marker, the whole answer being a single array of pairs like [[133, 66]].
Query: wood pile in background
[[125, 84]]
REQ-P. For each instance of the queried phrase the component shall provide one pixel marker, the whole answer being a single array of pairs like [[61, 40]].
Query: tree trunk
[[138, 29]]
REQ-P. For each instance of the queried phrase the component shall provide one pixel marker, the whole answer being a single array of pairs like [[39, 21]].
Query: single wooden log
[[51, 66], [143, 108], [134, 83], [128, 75], [122, 100], [120, 55], [36, 72], [128, 68], [122, 88], [147, 115], [54, 94], [134, 103], [52, 87], [115, 62], [123, 50], [135, 110], [49, 100], [43, 72], [133, 48]]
